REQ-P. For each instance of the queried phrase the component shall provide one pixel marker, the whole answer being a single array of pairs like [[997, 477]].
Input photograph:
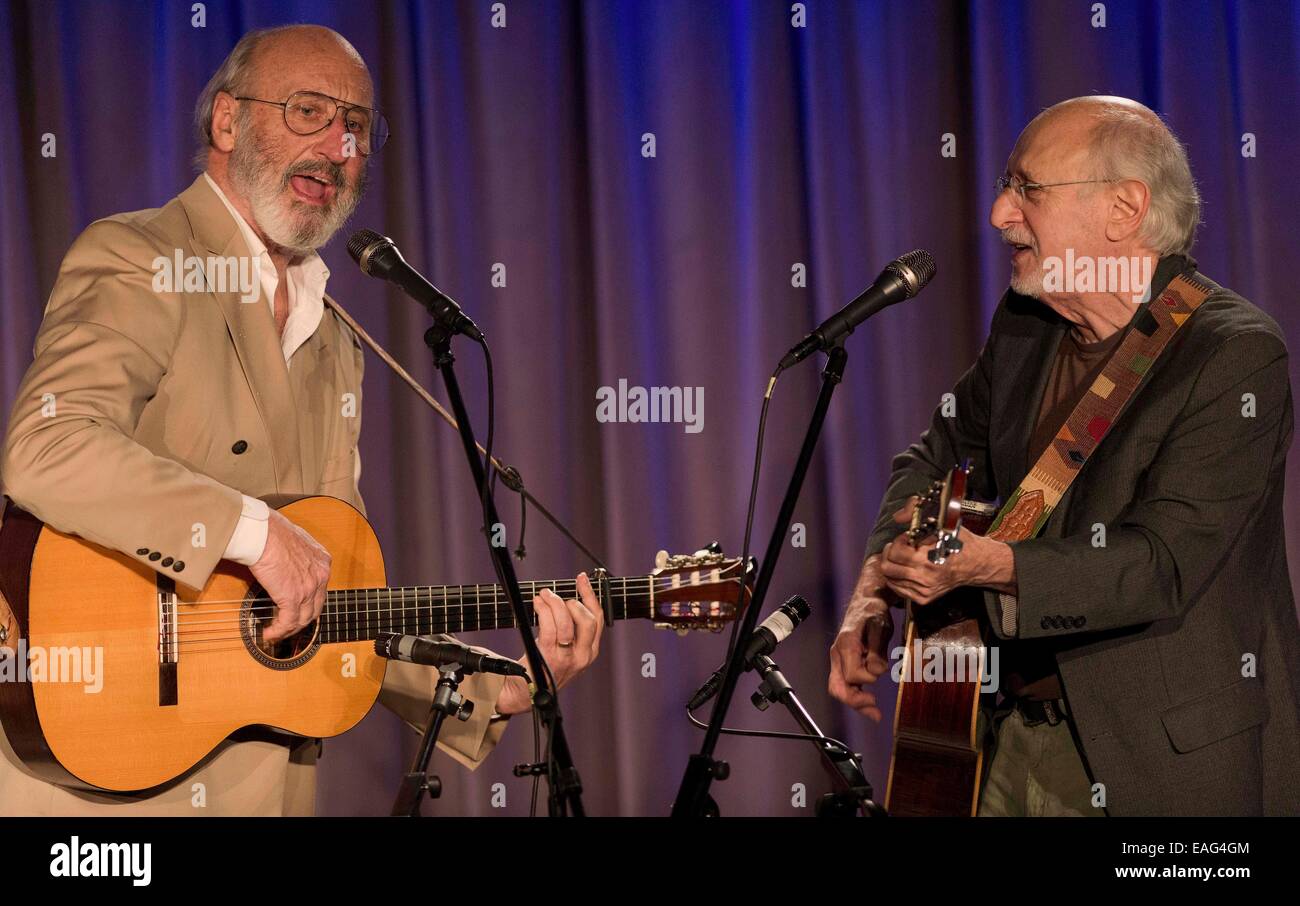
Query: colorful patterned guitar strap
[[1028, 508]]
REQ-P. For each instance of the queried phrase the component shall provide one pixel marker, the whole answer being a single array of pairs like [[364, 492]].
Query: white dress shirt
[[306, 291]]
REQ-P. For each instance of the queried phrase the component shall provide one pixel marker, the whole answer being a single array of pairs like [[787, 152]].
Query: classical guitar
[[180, 671], [937, 758]]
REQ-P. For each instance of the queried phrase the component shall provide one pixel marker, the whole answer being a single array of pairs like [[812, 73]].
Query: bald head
[[1089, 109], [274, 62], [1106, 137]]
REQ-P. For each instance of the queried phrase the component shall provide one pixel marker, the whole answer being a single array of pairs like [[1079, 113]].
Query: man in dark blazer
[[1150, 649]]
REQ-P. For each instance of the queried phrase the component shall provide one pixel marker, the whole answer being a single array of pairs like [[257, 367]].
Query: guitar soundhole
[[255, 616]]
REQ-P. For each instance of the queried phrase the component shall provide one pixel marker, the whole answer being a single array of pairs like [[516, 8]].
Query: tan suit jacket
[[143, 418]]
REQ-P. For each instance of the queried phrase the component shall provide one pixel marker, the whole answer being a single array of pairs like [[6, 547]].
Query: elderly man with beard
[[1150, 660], [152, 422]]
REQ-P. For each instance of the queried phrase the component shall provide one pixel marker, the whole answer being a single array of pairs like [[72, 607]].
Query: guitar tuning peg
[[713, 547], [661, 559]]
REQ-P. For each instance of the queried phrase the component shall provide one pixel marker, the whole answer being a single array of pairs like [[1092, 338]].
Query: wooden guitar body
[[150, 719], [129, 681], [937, 759]]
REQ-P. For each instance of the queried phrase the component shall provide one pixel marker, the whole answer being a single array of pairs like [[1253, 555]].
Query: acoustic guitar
[[126, 681], [937, 757]]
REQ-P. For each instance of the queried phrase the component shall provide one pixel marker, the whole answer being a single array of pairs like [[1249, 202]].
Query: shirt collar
[[312, 267], [306, 283]]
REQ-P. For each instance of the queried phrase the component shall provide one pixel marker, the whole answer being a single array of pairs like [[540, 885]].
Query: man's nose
[[335, 144], [1004, 212]]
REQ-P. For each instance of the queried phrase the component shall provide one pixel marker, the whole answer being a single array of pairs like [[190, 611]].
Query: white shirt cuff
[[249, 540]]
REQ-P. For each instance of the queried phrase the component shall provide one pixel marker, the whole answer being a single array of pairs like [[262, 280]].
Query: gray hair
[[233, 77], [1132, 143]]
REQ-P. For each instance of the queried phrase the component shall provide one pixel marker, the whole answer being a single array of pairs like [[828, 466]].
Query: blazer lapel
[[311, 364], [252, 330]]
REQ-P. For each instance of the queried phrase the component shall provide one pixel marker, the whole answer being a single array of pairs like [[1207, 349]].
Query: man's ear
[[224, 132], [1129, 201]]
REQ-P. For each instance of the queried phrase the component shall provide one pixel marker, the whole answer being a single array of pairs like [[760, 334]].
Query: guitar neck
[[357, 614]]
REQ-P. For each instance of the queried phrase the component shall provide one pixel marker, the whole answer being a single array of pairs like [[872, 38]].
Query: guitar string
[[383, 621], [387, 619], [422, 599], [426, 591], [337, 593]]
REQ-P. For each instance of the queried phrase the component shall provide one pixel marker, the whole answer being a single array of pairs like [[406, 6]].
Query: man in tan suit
[[157, 412]]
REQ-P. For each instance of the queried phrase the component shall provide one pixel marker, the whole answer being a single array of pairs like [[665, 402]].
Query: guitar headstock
[[704, 590], [943, 510]]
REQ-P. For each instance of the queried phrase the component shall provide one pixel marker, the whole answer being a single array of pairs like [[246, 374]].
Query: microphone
[[416, 650], [901, 279], [770, 633], [377, 256]]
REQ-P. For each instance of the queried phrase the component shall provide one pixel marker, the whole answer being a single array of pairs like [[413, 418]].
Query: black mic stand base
[[447, 702], [855, 794]]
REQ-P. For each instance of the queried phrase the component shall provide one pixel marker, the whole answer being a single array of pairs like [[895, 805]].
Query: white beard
[[296, 227], [1029, 283]]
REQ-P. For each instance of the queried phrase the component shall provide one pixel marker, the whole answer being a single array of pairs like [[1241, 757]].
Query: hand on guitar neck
[[568, 634], [860, 652], [902, 571]]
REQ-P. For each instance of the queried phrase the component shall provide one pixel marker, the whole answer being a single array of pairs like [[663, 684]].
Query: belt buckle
[[1052, 713]]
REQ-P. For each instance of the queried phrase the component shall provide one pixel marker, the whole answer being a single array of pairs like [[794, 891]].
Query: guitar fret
[[357, 614]]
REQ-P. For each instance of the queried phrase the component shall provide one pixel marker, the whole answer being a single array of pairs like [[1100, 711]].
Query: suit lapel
[[311, 365], [253, 332]]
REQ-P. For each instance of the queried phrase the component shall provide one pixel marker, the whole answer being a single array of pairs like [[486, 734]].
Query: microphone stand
[[563, 783], [855, 790], [693, 799], [447, 702]]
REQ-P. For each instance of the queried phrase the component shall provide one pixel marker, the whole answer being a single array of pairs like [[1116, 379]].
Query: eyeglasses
[[1020, 187], [308, 112]]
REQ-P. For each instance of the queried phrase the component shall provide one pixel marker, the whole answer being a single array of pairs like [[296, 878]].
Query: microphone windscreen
[[916, 269], [359, 241]]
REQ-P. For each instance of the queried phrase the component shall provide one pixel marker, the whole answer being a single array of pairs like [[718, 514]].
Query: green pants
[[1035, 772]]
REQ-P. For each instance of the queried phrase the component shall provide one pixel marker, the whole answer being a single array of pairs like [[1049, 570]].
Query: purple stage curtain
[[776, 145]]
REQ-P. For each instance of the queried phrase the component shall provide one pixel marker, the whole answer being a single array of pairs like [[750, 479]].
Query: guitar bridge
[[168, 641]]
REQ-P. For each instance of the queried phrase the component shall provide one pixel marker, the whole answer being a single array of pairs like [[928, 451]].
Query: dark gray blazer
[[1179, 643]]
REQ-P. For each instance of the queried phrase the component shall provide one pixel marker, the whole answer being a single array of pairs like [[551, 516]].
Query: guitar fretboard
[[357, 614]]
